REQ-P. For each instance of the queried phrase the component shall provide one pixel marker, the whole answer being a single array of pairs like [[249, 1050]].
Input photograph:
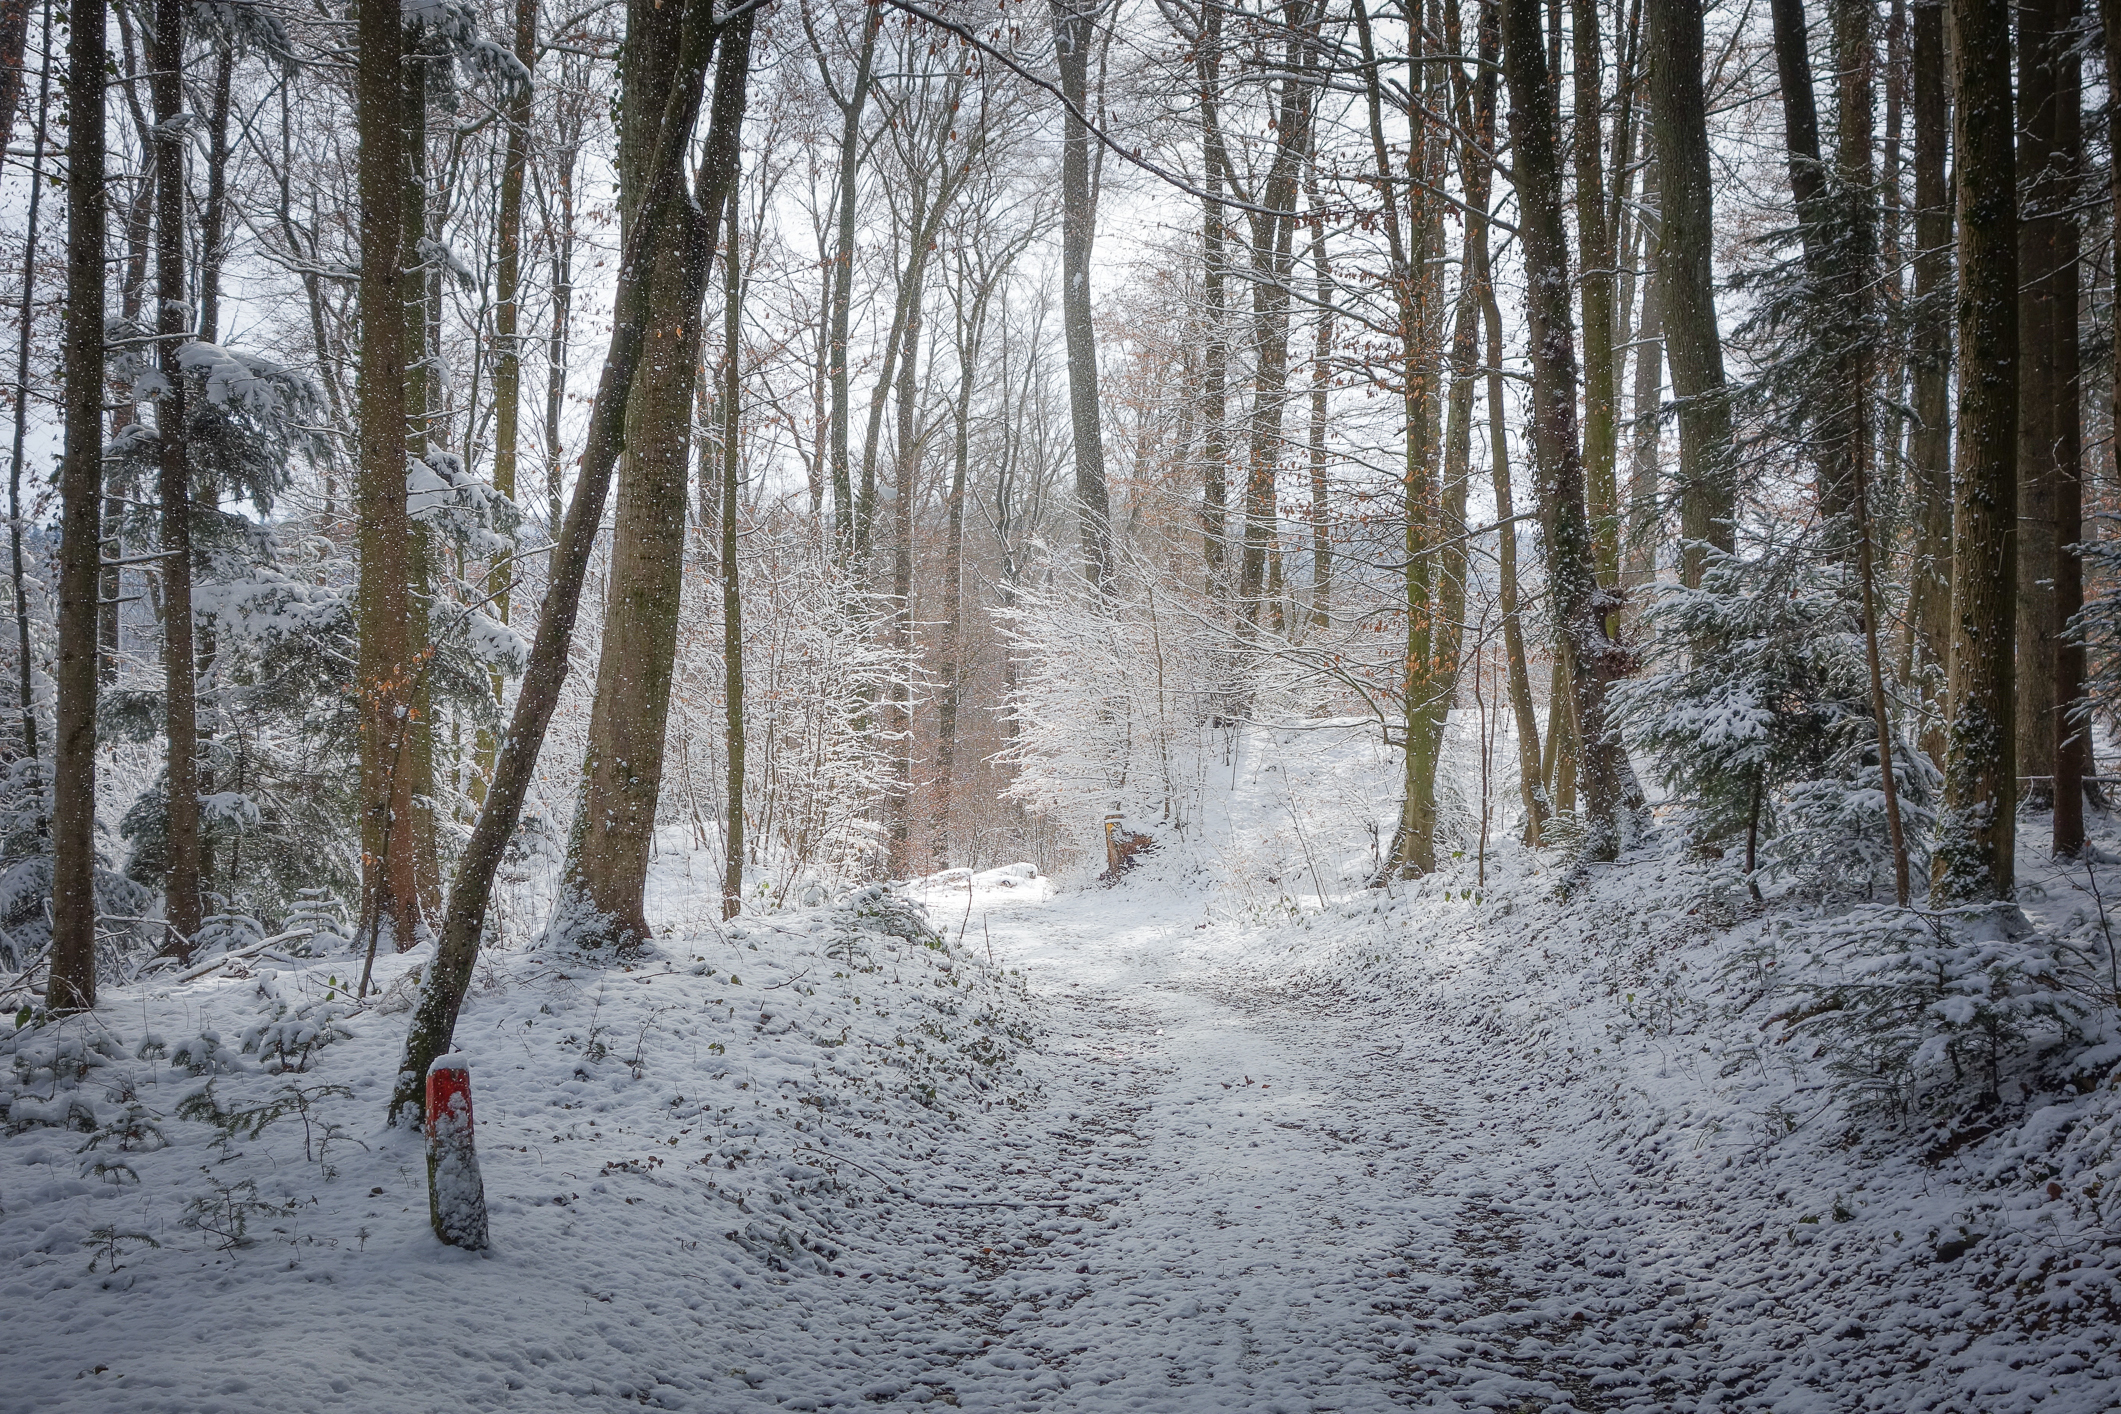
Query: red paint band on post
[[448, 1090]]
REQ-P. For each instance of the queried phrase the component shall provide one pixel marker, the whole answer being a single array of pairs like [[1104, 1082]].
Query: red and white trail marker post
[[456, 1195]]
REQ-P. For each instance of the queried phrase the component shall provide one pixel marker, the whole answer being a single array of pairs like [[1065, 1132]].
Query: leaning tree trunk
[[72, 985], [1593, 659], [666, 218], [173, 328], [1973, 859], [1685, 284], [622, 772], [1074, 24]]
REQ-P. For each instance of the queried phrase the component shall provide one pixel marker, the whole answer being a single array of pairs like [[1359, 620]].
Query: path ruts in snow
[[1294, 1212]]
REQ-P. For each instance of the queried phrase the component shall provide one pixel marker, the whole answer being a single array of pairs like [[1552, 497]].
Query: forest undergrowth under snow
[[1234, 1133]]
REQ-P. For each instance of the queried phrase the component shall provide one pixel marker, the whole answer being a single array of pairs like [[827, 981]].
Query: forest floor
[[1107, 1149]]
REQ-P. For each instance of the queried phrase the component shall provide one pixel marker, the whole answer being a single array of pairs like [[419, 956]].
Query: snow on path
[[1277, 1236]]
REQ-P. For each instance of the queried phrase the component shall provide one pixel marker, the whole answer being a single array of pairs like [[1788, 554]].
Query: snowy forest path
[[1295, 1212]]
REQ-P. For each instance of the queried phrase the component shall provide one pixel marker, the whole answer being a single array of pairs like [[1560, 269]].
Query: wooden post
[[456, 1194]]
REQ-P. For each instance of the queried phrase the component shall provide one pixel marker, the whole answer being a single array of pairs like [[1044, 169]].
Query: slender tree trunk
[[26, 698], [1975, 844], [390, 905], [1321, 611], [1686, 297], [72, 984], [1074, 28], [1645, 516], [666, 218], [213, 224], [898, 811], [843, 505], [14, 38], [556, 342], [1531, 783], [2050, 494], [732, 588], [1579, 610], [1594, 244], [1930, 354], [622, 774], [508, 346], [1215, 352], [173, 328]]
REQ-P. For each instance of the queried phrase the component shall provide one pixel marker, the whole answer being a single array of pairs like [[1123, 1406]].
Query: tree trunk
[[1074, 25], [213, 225], [843, 506], [1645, 515], [732, 596], [14, 38], [1686, 298], [1928, 645], [666, 218], [2050, 496], [1592, 657], [1215, 353], [72, 984], [1531, 783], [622, 773], [1594, 244], [1321, 611], [1974, 853], [898, 807], [173, 328], [508, 347], [26, 697]]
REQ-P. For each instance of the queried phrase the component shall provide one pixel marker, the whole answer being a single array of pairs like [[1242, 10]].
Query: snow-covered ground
[[1131, 1148]]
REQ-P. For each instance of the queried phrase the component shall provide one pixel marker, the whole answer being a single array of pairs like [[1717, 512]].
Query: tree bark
[[1592, 657], [1074, 27], [842, 299], [173, 328], [622, 774], [2050, 495], [72, 985], [732, 586], [1975, 845], [1215, 353], [26, 700], [1686, 290], [1594, 244], [668, 217], [1928, 645], [1645, 516]]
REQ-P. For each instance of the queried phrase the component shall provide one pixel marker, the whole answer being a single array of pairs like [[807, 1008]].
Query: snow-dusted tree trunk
[[1685, 282], [1974, 857], [173, 326], [1592, 658], [72, 985], [666, 218], [622, 775], [1075, 25], [1929, 591]]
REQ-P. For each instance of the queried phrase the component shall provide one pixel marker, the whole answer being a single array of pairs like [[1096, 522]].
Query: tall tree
[[733, 843], [1584, 644], [1973, 859], [1685, 282], [2050, 459], [173, 328], [72, 985], [622, 772], [1075, 31], [1927, 649], [667, 216]]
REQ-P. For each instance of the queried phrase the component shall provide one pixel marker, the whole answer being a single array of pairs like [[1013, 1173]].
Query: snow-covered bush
[[1755, 711]]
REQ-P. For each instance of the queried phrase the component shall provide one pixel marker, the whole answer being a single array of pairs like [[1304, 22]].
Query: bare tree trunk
[[26, 698], [614, 828], [390, 905], [1594, 244], [1579, 609], [665, 218], [1975, 845], [508, 347], [898, 807], [72, 984], [1215, 352], [1645, 516], [173, 328], [1321, 612], [1531, 783], [2050, 494], [213, 226], [732, 595], [1074, 26], [1686, 296], [1930, 448], [843, 504], [14, 37]]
